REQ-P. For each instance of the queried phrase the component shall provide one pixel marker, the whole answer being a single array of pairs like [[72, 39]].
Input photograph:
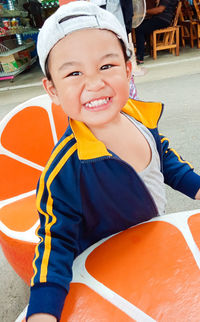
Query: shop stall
[[18, 37]]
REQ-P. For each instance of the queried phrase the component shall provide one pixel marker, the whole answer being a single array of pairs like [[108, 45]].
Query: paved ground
[[172, 80]]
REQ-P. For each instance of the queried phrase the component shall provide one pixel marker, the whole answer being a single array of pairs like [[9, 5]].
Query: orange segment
[[83, 304], [28, 134], [194, 224], [60, 119], [151, 266], [20, 255], [20, 215], [16, 177]]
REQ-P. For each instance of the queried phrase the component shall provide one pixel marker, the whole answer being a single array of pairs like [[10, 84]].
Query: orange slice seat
[[149, 272], [27, 136]]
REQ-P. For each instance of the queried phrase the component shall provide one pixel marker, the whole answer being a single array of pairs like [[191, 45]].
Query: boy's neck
[[104, 133]]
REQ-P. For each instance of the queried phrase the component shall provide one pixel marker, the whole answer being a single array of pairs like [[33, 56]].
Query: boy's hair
[[75, 16]]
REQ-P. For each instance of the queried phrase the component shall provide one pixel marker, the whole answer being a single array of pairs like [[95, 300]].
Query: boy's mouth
[[97, 103]]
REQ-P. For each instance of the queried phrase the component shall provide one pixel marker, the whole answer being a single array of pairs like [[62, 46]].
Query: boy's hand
[[197, 197], [41, 317]]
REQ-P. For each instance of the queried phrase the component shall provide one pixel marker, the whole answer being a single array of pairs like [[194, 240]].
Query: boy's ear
[[51, 90], [128, 69]]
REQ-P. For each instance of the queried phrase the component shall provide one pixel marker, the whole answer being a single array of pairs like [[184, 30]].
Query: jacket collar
[[148, 113], [89, 147]]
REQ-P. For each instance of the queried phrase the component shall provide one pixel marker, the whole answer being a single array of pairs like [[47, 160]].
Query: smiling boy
[[107, 172]]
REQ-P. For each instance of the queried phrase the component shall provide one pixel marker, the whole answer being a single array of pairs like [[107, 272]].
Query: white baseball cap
[[75, 16]]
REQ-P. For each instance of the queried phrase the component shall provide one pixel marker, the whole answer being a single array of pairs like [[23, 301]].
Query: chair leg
[[191, 36], [182, 37], [151, 45], [177, 42], [133, 36], [198, 36], [154, 46]]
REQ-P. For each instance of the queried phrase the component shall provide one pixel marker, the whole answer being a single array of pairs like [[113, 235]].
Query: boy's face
[[90, 78]]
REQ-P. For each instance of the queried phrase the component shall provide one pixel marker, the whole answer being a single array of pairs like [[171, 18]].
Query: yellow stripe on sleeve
[[40, 193], [36, 256], [176, 153], [179, 158], [164, 139], [47, 241]]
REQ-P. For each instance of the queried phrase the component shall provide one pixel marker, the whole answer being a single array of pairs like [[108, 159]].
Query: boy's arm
[[178, 173], [59, 207], [155, 10]]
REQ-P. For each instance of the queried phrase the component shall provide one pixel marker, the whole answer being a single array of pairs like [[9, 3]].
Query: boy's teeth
[[97, 102]]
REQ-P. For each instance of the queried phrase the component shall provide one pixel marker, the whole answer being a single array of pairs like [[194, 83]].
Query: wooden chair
[[167, 38], [189, 25], [197, 8]]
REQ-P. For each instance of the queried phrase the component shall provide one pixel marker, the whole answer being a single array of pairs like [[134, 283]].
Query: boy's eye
[[74, 74], [107, 66]]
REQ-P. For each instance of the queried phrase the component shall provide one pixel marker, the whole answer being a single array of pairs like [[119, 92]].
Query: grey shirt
[[151, 175]]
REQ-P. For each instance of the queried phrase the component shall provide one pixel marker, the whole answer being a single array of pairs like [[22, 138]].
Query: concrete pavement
[[173, 80]]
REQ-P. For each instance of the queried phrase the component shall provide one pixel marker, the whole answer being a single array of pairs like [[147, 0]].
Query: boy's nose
[[94, 83]]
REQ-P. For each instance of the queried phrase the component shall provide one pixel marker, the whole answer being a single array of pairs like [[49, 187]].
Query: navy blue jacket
[[86, 193]]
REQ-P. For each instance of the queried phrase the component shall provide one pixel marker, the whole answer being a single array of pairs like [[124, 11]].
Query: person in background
[[160, 16], [123, 10], [127, 10]]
